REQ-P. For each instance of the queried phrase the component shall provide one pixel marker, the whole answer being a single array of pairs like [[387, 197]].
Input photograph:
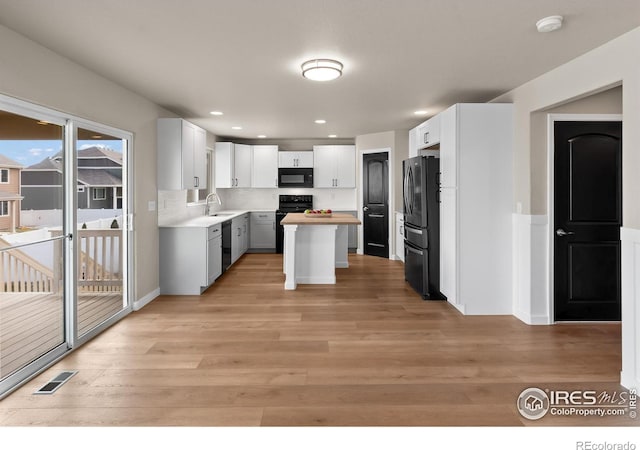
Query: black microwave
[[295, 177]]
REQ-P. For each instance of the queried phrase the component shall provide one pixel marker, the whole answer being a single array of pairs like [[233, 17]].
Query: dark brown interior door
[[375, 201], [587, 216]]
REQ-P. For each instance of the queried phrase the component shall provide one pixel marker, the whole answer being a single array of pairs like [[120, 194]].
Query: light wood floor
[[367, 351]]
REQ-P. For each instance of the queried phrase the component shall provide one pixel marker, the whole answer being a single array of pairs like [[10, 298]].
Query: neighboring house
[[10, 196], [99, 181]]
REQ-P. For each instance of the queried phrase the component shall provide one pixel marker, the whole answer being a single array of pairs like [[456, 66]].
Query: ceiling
[[242, 57]]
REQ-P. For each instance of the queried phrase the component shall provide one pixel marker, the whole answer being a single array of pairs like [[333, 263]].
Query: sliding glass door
[[32, 243], [101, 223], [64, 236]]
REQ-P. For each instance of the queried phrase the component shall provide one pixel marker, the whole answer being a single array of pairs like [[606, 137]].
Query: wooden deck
[[33, 323], [366, 351]]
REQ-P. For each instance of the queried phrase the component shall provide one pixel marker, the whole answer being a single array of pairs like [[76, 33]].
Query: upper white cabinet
[[295, 159], [476, 197], [429, 133], [334, 166], [413, 142], [233, 165], [264, 172], [182, 155], [425, 138]]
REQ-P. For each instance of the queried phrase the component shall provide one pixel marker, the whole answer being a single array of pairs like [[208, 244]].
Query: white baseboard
[[630, 374], [142, 302]]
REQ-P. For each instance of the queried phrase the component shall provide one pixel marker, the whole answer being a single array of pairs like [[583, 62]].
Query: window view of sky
[[28, 153]]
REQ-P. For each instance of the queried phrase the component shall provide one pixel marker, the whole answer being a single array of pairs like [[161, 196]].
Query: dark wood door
[[375, 201], [587, 216]]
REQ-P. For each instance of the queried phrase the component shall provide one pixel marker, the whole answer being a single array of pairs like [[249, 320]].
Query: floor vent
[[56, 382]]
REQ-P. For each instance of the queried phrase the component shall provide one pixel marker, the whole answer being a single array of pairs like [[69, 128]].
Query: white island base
[[313, 250]]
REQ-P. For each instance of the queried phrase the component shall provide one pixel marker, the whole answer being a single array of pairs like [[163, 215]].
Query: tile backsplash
[[173, 207]]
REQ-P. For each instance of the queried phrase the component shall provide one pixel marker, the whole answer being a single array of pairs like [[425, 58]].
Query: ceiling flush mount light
[[333, 135], [321, 69], [236, 128], [321, 121], [262, 136], [216, 113], [421, 112], [548, 24]]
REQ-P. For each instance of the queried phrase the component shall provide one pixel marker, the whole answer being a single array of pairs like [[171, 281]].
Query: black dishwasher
[[226, 245]]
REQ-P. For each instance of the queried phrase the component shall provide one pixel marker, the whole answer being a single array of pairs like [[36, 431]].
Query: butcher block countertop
[[335, 219]]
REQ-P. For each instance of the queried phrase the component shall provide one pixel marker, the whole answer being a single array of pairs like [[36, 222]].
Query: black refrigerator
[[421, 198]]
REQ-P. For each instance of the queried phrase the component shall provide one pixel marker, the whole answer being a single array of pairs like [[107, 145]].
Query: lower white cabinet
[[352, 233], [214, 253], [239, 236], [190, 259], [262, 235], [400, 236]]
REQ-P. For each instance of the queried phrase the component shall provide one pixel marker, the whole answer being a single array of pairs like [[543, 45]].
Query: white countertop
[[206, 221]]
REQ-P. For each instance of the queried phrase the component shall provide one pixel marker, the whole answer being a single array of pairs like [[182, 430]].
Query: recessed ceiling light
[[333, 135], [216, 113], [96, 136], [321, 69], [42, 122], [548, 24], [262, 136], [321, 121], [421, 112], [236, 128]]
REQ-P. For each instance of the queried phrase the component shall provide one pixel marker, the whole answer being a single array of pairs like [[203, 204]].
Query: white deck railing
[[99, 265]]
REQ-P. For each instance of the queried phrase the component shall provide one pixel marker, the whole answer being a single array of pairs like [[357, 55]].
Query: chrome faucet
[[207, 207]]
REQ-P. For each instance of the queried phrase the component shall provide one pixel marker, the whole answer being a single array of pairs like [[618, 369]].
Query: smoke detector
[[548, 24]]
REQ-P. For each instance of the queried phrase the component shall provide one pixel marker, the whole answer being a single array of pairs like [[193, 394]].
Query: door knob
[[366, 208], [561, 232]]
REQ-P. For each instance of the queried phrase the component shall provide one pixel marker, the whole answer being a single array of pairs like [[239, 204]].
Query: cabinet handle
[[426, 137], [195, 181]]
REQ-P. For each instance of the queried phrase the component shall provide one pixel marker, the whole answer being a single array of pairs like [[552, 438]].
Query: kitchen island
[[314, 247]]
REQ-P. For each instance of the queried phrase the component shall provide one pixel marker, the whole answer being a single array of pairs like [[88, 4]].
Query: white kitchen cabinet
[[214, 253], [352, 232], [233, 165], [239, 237], [246, 231], [429, 132], [295, 159], [400, 236], [264, 166], [476, 193], [190, 259], [182, 155], [334, 166], [413, 142], [262, 236]]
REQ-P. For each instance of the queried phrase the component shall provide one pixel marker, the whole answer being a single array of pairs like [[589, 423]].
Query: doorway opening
[[65, 235]]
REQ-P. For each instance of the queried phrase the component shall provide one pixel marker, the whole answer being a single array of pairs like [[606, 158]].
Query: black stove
[[287, 204]]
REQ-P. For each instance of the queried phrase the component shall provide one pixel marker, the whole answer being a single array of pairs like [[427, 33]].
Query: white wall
[[33, 73]]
